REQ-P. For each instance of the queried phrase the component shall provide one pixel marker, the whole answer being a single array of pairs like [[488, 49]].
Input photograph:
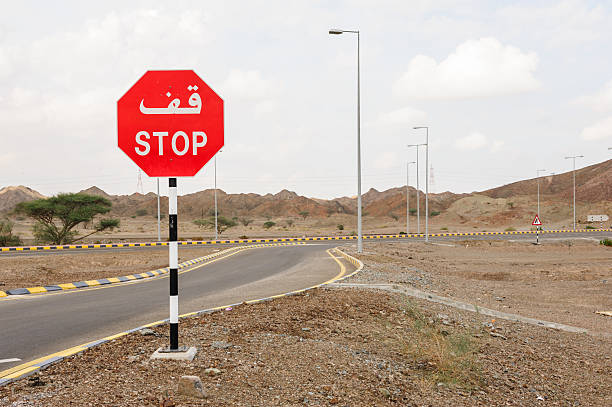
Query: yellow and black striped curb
[[285, 239], [130, 277], [26, 369]]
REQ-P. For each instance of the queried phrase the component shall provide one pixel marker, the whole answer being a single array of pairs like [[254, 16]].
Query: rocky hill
[[10, 196], [493, 206]]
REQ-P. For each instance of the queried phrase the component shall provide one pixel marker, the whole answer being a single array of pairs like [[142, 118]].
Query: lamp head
[[335, 31]]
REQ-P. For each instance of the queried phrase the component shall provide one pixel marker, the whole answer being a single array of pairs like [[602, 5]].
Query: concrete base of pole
[[182, 353]]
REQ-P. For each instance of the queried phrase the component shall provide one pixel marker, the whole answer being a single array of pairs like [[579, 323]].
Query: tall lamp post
[[538, 177], [426, 179], [417, 186], [216, 212], [359, 234], [408, 195], [573, 157]]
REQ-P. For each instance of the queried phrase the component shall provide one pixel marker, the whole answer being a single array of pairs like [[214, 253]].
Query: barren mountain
[[501, 205], [11, 196]]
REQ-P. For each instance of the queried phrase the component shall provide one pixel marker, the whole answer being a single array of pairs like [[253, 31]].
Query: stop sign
[[170, 123]]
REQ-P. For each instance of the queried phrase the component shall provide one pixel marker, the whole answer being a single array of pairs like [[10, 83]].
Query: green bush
[[413, 211], [444, 228], [269, 224], [434, 213], [6, 234], [340, 227], [510, 229], [590, 227], [606, 242]]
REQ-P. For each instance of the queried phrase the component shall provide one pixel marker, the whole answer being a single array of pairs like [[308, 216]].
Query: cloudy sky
[[506, 88]]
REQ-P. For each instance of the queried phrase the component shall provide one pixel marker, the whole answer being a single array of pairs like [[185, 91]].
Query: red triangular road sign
[[536, 221]]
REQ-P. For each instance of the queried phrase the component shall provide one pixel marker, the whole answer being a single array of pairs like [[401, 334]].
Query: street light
[[426, 179], [359, 234], [538, 177], [574, 173], [408, 195], [417, 186]]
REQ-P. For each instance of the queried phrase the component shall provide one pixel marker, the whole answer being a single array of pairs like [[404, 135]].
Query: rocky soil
[[339, 346], [25, 271]]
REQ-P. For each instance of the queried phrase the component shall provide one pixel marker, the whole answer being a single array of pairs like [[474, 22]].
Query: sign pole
[[537, 235], [173, 246]]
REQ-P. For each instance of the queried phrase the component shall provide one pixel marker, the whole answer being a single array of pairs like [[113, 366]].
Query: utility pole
[[216, 236], [359, 233], [426, 179], [574, 174], [538, 177], [408, 196], [418, 205], [158, 214]]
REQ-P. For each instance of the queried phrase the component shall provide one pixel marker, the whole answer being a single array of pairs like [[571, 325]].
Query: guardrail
[[284, 239]]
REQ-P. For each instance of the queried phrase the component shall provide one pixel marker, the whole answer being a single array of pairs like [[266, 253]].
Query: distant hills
[[494, 206]]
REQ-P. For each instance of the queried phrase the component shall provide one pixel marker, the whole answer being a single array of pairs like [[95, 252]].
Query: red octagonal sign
[[170, 123]]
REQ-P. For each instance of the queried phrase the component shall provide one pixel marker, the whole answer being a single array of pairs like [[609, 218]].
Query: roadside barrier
[[285, 239]]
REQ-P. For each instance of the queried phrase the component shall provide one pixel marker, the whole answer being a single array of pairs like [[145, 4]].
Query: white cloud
[[561, 23], [478, 141], [600, 101], [405, 115], [477, 68], [247, 85], [598, 131], [474, 141]]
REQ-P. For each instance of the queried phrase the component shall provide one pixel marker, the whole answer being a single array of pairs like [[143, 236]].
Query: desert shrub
[[7, 238], [402, 233], [394, 216], [606, 242], [340, 227], [133, 216], [141, 212], [289, 222], [590, 227], [510, 205], [413, 211], [444, 228], [243, 237], [434, 213], [223, 223], [304, 214], [245, 221], [19, 218], [269, 224], [510, 229]]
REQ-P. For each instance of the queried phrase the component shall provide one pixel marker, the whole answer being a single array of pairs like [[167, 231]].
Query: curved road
[[37, 325]]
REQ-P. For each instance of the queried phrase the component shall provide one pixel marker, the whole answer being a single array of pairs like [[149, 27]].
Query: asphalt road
[[38, 325]]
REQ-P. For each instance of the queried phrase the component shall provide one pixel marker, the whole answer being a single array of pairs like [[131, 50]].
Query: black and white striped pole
[[173, 247]]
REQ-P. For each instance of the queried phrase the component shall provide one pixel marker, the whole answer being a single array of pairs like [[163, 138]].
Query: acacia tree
[[57, 216]]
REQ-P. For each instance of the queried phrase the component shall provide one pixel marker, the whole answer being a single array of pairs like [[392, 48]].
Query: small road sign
[[170, 123], [536, 221], [597, 218]]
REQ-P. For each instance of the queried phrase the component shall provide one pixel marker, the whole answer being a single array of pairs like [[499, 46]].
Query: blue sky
[[506, 88]]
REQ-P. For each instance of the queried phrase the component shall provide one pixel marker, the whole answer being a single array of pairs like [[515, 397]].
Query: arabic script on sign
[[173, 108]]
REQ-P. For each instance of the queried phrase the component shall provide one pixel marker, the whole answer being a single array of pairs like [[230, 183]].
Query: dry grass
[[442, 354]]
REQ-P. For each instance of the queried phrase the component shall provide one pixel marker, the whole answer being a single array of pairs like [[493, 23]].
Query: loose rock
[[191, 386]]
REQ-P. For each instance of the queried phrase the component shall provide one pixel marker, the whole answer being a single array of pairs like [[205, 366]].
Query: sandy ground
[[145, 228], [38, 270], [336, 347], [558, 281]]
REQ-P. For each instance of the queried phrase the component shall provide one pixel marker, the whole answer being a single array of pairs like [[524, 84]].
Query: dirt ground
[[342, 347], [558, 281], [25, 271]]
